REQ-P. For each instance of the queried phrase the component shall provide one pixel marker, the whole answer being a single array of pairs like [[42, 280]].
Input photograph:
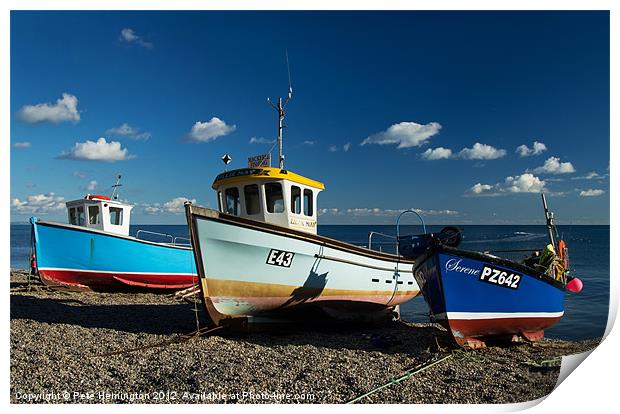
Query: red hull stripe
[[111, 281], [500, 326]]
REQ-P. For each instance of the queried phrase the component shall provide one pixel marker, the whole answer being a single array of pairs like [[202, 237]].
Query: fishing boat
[[95, 251], [260, 253], [479, 296]]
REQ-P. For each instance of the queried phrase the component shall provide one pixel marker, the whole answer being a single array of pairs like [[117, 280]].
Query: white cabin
[[100, 212], [270, 195]]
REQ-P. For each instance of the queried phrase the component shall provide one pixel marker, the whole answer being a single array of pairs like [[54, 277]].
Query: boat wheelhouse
[[269, 195], [95, 251], [101, 213]]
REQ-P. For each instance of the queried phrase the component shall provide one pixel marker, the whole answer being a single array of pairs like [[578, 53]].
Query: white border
[[591, 387], [61, 269]]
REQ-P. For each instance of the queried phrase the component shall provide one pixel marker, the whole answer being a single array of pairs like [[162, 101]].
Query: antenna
[[115, 187], [290, 84], [280, 108]]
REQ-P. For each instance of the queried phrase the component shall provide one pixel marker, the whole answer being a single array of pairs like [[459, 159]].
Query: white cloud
[[382, 212], [333, 211], [591, 193], [153, 209], [126, 130], [129, 36], [262, 140], [209, 131], [524, 183], [592, 175], [336, 148], [437, 153], [92, 185], [65, 109], [554, 166], [405, 134], [309, 143], [38, 204], [481, 152], [480, 188], [537, 148], [174, 206], [25, 144], [99, 150]]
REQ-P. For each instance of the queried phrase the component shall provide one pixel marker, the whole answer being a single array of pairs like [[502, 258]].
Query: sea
[[585, 313]]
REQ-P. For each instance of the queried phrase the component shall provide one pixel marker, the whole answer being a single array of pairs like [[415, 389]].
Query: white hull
[[248, 268]]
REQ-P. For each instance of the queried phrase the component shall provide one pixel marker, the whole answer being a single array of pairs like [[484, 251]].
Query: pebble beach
[[88, 347]]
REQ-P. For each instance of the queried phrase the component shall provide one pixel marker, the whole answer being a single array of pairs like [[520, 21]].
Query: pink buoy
[[575, 285]]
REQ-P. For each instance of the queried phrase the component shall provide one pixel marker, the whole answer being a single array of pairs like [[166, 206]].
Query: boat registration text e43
[[280, 258], [500, 277]]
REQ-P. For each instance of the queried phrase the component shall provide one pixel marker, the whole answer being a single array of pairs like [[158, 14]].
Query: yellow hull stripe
[[238, 289]]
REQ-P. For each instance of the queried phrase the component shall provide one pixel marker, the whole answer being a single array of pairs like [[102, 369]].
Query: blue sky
[[466, 116]]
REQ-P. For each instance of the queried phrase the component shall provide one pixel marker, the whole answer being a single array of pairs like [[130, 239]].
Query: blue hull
[[476, 295], [81, 257]]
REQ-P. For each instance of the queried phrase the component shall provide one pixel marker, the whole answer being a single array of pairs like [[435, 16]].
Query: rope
[[178, 339], [408, 375]]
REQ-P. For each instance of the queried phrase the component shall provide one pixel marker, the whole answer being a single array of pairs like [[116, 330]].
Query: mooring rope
[[178, 339], [408, 375]]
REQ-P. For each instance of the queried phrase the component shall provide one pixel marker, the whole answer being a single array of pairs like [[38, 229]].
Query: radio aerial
[[280, 108]]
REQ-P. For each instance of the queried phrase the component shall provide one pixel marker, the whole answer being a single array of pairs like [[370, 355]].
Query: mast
[[115, 187], [280, 108]]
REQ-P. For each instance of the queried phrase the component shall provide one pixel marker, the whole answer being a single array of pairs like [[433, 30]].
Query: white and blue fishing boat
[[95, 251], [478, 296], [260, 253]]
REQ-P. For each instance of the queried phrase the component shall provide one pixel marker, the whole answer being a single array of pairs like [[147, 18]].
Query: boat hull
[[249, 268], [464, 293], [81, 258]]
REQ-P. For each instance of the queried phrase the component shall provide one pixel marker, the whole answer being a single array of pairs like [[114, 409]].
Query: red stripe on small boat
[[114, 281]]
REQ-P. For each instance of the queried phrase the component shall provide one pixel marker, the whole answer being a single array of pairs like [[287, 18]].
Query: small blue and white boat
[[95, 251], [477, 295]]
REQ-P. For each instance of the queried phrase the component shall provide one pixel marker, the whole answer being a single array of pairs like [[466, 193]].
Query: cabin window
[[93, 215], [116, 216], [295, 200], [72, 216], [308, 203], [232, 200], [252, 204], [81, 219], [219, 201], [274, 198]]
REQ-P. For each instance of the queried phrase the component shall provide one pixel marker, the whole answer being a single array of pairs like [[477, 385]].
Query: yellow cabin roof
[[249, 174]]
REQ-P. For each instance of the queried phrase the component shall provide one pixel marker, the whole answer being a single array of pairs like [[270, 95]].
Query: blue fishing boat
[[95, 251], [478, 296]]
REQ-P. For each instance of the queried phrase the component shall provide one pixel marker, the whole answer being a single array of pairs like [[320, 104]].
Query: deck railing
[[373, 233], [173, 240]]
